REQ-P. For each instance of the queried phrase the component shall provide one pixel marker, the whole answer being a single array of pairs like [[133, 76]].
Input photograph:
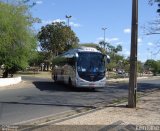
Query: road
[[37, 97]]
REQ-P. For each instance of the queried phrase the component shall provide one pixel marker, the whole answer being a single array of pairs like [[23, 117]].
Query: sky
[[90, 16]]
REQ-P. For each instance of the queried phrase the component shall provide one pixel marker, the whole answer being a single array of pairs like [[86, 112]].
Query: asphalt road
[[37, 97]]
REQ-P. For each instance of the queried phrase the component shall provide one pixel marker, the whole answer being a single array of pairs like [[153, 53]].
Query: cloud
[[140, 42], [112, 39], [125, 52], [108, 39], [45, 22], [150, 43], [39, 2], [118, 43], [74, 24], [127, 30], [59, 20], [100, 38]]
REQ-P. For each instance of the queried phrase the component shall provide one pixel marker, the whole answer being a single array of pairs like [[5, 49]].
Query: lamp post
[[68, 17], [133, 57], [104, 29]]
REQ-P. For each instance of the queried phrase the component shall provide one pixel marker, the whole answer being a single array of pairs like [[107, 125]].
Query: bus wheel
[[55, 78], [70, 83], [93, 89]]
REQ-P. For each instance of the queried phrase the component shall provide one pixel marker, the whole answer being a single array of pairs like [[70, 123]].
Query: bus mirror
[[76, 55], [107, 57]]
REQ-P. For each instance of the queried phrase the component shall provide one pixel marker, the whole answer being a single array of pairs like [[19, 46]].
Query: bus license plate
[[91, 84]]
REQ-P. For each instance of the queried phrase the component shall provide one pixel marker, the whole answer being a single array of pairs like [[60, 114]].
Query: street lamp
[[68, 17], [104, 29]]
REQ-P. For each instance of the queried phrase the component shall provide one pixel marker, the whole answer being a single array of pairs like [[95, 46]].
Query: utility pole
[[104, 29], [133, 57], [68, 17]]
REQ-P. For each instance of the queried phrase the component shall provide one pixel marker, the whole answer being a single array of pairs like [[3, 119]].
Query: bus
[[83, 67]]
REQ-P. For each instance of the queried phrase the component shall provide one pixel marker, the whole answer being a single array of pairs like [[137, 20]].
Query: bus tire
[[93, 89], [70, 83], [55, 78]]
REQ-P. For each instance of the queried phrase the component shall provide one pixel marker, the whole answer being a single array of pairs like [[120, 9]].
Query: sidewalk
[[146, 116], [147, 112]]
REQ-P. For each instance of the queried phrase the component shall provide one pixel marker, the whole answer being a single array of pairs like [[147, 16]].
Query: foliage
[[37, 59], [56, 38], [59, 61], [112, 51], [116, 61], [17, 40], [140, 68], [109, 47], [153, 66], [41, 59], [103, 44], [153, 27]]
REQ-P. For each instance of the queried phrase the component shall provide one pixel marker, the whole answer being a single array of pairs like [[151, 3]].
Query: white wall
[[9, 81]]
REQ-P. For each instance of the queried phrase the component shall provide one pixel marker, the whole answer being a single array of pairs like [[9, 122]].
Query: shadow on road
[[55, 87], [141, 87], [145, 87], [50, 86]]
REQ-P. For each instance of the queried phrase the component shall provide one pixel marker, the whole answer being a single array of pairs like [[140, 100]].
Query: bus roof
[[82, 49], [72, 52]]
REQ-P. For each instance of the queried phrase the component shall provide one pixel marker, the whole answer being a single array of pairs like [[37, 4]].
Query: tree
[[103, 44], [56, 38], [113, 53], [115, 58], [140, 68], [41, 59], [17, 40], [153, 27], [29, 3], [153, 66]]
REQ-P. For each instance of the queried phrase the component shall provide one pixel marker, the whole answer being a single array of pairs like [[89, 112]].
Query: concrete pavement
[[147, 112], [146, 116], [116, 117]]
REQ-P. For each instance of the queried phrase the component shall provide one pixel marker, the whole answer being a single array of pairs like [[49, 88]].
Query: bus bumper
[[87, 84]]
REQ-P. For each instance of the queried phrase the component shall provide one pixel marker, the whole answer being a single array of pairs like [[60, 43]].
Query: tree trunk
[[5, 74]]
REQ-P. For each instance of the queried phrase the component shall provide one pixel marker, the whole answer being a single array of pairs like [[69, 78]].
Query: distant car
[[121, 73]]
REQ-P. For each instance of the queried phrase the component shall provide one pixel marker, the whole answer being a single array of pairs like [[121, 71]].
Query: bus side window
[[71, 61]]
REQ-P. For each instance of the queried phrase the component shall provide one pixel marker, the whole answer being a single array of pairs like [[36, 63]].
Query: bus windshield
[[91, 62]]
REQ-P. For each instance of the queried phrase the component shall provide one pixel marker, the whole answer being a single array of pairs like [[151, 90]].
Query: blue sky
[[90, 16]]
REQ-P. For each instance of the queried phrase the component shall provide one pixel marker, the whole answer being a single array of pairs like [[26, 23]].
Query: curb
[[60, 117], [9, 81], [42, 121], [127, 79]]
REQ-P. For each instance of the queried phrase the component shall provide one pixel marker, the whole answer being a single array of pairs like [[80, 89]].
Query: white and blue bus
[[83, 67]]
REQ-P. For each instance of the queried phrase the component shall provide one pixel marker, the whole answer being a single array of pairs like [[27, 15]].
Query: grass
[[118, 101]]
